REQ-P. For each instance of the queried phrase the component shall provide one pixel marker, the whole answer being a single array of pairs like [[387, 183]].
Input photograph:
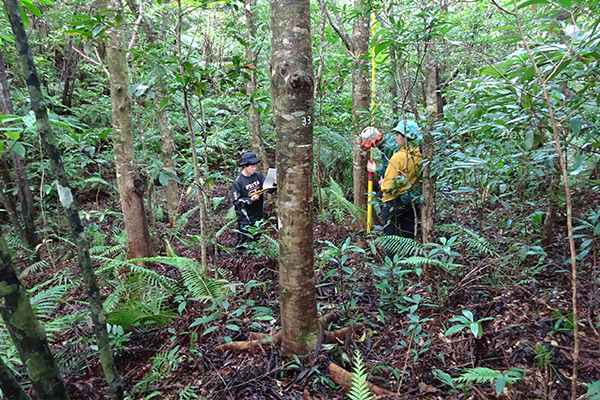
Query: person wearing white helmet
[[373, 137], [401, 182]]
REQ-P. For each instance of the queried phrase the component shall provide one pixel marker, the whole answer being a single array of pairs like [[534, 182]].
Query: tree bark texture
[[25, 195], [38, 105], [27, 333], [165, 127], [258, 146], [428, 179], [361, 100], [9, 384], [292, 86], [131, 188]]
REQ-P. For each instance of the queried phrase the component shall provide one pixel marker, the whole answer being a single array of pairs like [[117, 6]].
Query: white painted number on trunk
[[306, 120]]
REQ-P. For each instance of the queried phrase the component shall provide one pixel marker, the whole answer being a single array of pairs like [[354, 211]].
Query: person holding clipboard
[[247, 194]]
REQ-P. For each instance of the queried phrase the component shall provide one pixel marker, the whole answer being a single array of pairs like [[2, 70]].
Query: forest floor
[[397, 321]]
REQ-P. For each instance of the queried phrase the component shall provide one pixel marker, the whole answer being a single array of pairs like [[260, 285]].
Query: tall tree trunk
[[25, 195], [38, 105], [293, 112], [258, 146], [190, 123], [131, 187], [165, 127], [9, 384], [27, 333], [361, 100], [428, 179]]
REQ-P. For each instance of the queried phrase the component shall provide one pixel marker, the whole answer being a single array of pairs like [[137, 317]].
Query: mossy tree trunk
[[27, 333], [293, 112], [38, 105], [9, 384], [131, 188], [432, 115]]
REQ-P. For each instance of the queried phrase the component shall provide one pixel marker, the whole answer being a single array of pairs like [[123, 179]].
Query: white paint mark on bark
[[65, 195]]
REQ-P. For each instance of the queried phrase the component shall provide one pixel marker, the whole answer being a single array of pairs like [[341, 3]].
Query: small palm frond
[[471, 239], [201, 287], [339, 206], [44, 302], [105, 251], [142, 313], [14, 242], [478, 375], [230, 223], [182, 221], [400, 245], [420, 261], [35, 267], [151, 277], [359, 389]]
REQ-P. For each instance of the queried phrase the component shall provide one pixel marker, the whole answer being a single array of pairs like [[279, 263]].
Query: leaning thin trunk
[[550, 218], [38, 105], [190, 123], [9, 384], [27, 333], [293, 113]]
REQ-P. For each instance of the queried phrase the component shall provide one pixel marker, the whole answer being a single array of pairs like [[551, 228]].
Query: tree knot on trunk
[[139, 187], [299, 78]]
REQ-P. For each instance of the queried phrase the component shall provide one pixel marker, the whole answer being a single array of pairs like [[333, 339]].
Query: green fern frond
[[478, 375], [339, 206], [471, 239], [359, 389], [14, 242], [417, 261], [230, 223], [151, 277], [44, 302], [141, 314], [400, 245], [183, 220], [105, 251], [35, 267]]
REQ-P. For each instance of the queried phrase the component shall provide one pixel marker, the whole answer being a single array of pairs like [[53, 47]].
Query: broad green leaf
[[31, 7], [575, 123], [476, 329], [529, 140], [453, 329], [444, 377], [532, 2], [163, 179], [578, 164], [500, 384], [593, 389], [468, 314], [19, 149]]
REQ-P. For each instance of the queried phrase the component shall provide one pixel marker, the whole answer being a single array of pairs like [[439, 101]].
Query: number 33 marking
[[306, 120]]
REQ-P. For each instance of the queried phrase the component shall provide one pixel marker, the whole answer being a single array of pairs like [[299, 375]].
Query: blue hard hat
[[407, 128]]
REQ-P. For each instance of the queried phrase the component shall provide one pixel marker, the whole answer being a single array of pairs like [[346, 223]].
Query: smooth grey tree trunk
[[428, 180], [293, 113], [38, 105]]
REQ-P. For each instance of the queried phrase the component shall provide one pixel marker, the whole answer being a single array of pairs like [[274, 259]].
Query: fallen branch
[[345, 380]]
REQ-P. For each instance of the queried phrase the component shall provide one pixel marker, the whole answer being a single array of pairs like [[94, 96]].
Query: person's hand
[[380, 182], [255, 197], [371, 166]]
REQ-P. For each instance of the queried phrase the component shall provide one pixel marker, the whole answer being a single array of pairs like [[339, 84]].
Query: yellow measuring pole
[[370, 177]]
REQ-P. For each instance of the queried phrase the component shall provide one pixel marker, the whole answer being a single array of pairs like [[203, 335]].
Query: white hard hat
[[369, 135]]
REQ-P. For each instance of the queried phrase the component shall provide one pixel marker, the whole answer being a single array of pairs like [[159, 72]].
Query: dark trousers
[[398, 218], [244, 236]]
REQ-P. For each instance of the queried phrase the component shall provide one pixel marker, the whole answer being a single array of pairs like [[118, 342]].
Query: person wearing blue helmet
[[401, 182]]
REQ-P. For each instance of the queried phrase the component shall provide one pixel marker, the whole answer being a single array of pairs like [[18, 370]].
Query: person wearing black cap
[[249, 205]]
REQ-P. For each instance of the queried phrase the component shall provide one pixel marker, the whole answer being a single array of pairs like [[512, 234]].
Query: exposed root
[[344, 379]]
